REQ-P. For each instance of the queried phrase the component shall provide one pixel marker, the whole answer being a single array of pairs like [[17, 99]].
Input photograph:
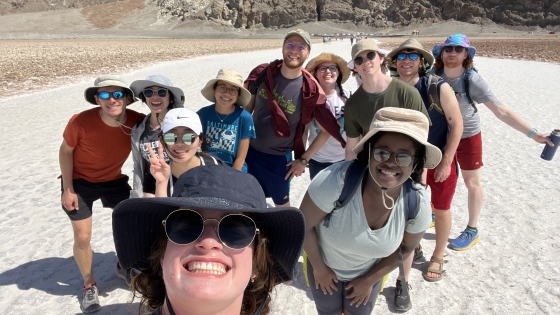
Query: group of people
[[363, 215]]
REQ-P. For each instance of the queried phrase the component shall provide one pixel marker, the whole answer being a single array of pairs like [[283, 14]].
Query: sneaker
[[466, 240], [90, 299], [123, 274], [402, 299]]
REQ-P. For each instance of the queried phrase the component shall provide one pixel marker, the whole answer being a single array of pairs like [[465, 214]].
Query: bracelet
[[531, 133]]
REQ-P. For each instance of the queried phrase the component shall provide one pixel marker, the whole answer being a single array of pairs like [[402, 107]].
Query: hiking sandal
[[439, 271]]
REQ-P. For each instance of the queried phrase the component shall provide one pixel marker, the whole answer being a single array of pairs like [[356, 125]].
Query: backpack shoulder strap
[[467, 86], [208, 160], [352, 179], [411, 200], [432, 89]]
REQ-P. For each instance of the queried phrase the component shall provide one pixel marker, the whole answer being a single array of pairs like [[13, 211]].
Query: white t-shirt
[[348, 246], [331, 151]]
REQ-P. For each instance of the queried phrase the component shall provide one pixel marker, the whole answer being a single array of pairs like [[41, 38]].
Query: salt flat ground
[[514, 269]]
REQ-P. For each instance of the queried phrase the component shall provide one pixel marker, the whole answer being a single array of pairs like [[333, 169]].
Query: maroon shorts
[[443, 192], [469, 153]]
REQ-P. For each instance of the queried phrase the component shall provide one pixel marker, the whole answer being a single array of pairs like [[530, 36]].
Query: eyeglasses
[[290, 46], [402, 159], [171, 138], [458, 49], [325, 68], [412, 56], [106, 95], [370, 56], [149, 93], [232, 91], [235, 231]]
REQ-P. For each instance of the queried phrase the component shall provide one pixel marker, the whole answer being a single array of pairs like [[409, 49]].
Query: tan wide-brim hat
[[232, 77], [107, 80], [408, 122], [364, 45], [412, 44], [329, 57]]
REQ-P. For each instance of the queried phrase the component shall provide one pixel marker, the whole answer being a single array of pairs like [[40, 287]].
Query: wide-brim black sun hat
[[137, 222]]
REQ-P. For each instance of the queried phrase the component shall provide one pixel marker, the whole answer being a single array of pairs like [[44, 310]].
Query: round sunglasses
[[149, 93], [235, 231], [402, 159], [412, 56], [115, 94], [171, 138], [370, 56]]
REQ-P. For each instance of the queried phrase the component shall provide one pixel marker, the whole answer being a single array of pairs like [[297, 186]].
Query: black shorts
[[110, 193]]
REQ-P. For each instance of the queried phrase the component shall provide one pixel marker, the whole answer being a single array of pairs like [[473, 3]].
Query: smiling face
[[389, 174], [407, 67], [327, 73], [295, 52], [156, 103], [225, 100], [368, 67], [112, 107], [181, 152], [206, 270]]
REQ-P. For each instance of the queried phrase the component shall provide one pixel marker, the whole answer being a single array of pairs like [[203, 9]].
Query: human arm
[[296, 167], [251, 105], [349, 155], [454, 118], [241, 154], [325, 277], [508, 116], [69, 198], [159, 170], [306, 133]]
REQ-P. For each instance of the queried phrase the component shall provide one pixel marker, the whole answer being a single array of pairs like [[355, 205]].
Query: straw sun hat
[[329, 57], [412, 44], [408, 122], [232, 77]]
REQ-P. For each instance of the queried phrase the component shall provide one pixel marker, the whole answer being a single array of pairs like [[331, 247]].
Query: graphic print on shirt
[[154, 145], [221, 137], [287, 105]]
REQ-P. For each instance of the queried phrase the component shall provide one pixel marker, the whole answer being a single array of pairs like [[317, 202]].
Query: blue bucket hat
[[455, 40]]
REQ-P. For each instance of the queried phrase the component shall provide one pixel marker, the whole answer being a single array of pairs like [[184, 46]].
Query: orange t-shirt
[[99, 150]]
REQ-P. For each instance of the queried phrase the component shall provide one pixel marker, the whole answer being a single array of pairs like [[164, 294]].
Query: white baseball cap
[[181, 117]]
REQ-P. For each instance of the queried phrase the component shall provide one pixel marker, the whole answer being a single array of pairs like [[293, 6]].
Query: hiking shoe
[[402, 299], [123, 274], [466, 240], [90, 299]]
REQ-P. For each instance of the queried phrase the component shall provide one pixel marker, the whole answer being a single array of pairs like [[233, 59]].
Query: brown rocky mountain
[[286, 13]]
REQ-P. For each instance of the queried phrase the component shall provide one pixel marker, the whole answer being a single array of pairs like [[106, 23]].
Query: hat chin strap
[[383, 189]]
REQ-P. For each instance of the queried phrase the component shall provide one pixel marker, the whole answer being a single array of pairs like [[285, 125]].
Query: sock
[[472, 229]]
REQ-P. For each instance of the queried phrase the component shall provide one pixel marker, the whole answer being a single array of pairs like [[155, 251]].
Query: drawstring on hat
[[383, 189]]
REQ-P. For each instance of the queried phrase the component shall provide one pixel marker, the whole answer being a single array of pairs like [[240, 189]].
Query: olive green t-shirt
[[362, 106]]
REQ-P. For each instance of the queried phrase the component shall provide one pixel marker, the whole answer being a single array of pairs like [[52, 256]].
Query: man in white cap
[[95, 146]]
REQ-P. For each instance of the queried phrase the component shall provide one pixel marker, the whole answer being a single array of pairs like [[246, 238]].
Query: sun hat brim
[[433, 153], [329, 57], [138, 87], [90, 92], [243, 98], [137, 221]]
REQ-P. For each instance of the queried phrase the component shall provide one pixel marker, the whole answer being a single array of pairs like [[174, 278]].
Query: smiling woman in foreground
[[212, 248]]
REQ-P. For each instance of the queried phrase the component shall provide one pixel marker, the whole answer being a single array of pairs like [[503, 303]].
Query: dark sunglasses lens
[[371, 55], [162, 93], [104, 95], [358, 61], [169, 138], [184, 226], [459, 49], [237, 231], [148, 93]]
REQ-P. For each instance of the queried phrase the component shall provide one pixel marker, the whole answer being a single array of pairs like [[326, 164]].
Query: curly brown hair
[[149, 286]]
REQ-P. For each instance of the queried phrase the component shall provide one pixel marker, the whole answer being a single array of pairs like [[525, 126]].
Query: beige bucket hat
[[107, 80], [408, 122], [232, 77], [363, 45], [329, 57], [412, 43]]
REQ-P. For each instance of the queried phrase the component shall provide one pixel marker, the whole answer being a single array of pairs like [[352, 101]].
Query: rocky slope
[[286, 13]]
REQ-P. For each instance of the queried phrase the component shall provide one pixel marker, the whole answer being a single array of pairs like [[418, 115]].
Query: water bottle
[[549, 151]]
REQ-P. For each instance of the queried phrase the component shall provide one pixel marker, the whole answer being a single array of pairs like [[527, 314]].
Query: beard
[[290, 65], [454, 63]]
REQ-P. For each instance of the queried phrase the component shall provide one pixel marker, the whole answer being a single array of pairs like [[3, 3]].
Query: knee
[[82, 238], [473, 183]]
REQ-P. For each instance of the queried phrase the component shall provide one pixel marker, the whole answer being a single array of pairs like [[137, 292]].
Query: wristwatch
[[303, 161]]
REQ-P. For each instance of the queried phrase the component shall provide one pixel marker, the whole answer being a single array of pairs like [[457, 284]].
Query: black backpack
[[466, 85]]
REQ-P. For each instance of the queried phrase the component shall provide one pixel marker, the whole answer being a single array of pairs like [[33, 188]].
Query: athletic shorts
[[270, 170], [327, 304], [110, 193], [469, 153], [443, 192]]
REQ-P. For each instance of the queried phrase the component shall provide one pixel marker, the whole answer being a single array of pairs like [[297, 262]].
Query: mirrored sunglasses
[[233, 91], [412, 56], [458, 49], [235, 231], [402, 159], [370, 56], [291, 46], [149, 93], [106, 95], [170, 138]]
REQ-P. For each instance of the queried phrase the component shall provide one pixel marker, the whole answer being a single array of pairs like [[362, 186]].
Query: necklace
[[220, 118], [121, 125], [414, 76]]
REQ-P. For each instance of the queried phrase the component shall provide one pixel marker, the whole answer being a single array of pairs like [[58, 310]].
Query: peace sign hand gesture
[[158, 168]]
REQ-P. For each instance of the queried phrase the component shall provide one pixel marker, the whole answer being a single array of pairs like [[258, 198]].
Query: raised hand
[[158, 168]]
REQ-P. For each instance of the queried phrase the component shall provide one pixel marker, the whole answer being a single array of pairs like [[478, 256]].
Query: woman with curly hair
[[213, 248]]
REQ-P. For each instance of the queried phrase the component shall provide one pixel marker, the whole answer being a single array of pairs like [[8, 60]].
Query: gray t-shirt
[[348, 246], [479, 91], [287, 93]]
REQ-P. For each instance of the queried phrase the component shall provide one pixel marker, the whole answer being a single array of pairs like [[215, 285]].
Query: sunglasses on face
[[106, 95], [370, 56], [149, 93], [235, 231], [291, 46], [412, 56], [325, 68], [402, 159], [458, 49], [171, 138], [223, 89]]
